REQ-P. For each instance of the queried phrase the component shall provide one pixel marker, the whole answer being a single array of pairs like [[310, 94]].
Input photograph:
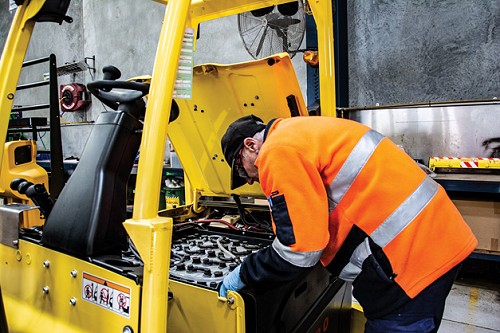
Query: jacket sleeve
[[266, 268]]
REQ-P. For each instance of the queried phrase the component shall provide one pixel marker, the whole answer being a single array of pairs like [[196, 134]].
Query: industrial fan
[[273, 29]]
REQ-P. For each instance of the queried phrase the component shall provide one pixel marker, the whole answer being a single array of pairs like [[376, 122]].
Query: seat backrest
[[87, 217]]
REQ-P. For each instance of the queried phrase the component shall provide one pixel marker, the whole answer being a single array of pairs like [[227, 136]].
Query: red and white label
[[109, 295]]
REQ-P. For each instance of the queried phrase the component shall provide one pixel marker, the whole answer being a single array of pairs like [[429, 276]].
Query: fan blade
[[261, 42], [282, 22]]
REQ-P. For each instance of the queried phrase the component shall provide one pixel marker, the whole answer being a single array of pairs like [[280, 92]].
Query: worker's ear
[[250, 143]]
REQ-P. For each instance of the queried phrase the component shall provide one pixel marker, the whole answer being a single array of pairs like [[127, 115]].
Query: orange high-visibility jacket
[[338, 189]]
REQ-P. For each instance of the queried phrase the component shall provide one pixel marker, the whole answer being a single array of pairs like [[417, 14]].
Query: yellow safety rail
[[12, 61]]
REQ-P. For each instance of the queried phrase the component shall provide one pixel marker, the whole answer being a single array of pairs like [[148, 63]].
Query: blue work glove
[[232, 281]]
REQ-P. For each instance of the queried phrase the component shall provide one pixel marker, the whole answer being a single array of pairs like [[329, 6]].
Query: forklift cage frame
[[152, 234]]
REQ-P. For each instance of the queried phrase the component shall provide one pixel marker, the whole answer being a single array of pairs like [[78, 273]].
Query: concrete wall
[[405, 51], [400, 51], [66, 42]]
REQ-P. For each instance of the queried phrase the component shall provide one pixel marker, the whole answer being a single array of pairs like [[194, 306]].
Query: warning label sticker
[[107, 294]]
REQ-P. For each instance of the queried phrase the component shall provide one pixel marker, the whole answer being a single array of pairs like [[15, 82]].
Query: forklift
[[90, 264]]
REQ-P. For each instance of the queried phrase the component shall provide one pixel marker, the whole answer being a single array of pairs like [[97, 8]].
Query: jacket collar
[[268, 126]]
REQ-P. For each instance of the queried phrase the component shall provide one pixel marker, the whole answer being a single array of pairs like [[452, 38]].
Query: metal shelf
[[472, 183], [35, 125]]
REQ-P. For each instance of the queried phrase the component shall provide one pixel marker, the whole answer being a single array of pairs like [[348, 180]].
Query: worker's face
[[249, 153]]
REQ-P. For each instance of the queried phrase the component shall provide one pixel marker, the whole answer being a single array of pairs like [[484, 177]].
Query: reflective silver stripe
[[405, 213], [392, 226], [352, 167], [353, 268], [301, 259]]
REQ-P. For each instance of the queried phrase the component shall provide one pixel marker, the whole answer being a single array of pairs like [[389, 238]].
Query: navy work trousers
[[422, 314]]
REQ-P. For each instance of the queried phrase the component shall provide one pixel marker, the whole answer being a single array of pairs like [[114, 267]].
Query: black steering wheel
[[103, 89]]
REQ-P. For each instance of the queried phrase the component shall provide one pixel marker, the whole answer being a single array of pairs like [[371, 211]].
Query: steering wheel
[[103, 89]]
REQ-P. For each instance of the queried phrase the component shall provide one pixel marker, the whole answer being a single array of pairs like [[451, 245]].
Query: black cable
[[263, 225], [243, 214], [241, 210]]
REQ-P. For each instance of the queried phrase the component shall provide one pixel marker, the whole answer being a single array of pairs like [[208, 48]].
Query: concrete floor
[[471, 309], [473, 305]]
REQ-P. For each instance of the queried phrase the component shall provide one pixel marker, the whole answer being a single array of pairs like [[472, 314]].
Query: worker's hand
[[232, 281]]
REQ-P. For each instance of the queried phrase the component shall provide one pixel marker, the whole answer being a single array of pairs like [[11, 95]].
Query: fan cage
[[272, 30]]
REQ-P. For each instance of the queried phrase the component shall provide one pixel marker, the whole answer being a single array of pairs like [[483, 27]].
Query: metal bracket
[[11, 218]]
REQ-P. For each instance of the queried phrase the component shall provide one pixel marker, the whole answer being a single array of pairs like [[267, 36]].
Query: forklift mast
[[151, 233]]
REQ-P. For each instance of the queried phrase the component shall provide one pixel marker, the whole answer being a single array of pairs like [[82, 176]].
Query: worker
[[345, 195]]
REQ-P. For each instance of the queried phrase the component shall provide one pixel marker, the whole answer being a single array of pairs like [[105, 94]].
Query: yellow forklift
[[90, 265]]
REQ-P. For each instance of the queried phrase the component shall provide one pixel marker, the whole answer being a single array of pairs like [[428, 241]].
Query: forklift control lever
[[36, 192]]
